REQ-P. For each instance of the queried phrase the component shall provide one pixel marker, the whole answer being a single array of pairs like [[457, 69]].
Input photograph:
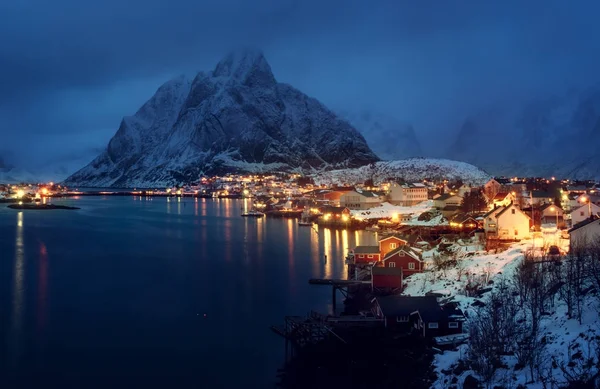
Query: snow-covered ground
[[564, 337], [412, 170], [387, 210]]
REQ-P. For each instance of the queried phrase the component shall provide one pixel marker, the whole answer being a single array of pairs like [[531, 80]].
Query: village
[[440, 246]]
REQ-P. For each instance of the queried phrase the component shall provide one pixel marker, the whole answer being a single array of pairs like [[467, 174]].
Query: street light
[[552, 209]]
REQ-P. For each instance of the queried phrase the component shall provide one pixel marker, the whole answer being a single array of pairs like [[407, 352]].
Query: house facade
[[585, 233], [507, 223], [366, 254], [583, 212], [386, 279], [357, 199], [447, 200], [390, 243], [422, 314], [552, 214], [404, 258], [407, 194]]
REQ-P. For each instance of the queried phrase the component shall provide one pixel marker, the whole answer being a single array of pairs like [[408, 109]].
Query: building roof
[[405, 249], [511, 205], [461, 218], [451, 208], [551, 205], [502, 180], [584, 223], [386, 271], [446, 196], [496, 209], [366, 193], [501, 196], [366, 250], [328, 208], [427, 306], [538, 194], [397, 236]]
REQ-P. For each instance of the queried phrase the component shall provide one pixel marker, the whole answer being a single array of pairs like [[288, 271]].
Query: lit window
[[432, 325], [453, 324], [411, 266], [392, 245], [370, 256], [513, 212], [392, 264], [402, 319]]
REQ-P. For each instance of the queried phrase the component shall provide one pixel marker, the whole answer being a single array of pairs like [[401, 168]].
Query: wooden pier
[[300, 332], [342, 285]]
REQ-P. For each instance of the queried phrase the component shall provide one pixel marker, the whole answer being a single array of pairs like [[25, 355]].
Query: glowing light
[[20, 193], [345, 218], [44, 191]]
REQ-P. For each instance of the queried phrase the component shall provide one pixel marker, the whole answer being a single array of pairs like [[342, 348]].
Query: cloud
[[70, 70]]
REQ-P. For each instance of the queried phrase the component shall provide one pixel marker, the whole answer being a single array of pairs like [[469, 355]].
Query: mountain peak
[[248, 66]]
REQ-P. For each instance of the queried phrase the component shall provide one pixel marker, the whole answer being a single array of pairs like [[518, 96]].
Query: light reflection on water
[[166, 261], [15, 334]]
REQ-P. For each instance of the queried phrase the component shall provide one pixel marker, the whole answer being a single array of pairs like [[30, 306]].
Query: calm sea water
[[136, 292]]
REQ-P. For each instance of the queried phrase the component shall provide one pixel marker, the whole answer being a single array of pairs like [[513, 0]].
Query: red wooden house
[[405, 258], [390, 243], [366, 254], [386, 280]]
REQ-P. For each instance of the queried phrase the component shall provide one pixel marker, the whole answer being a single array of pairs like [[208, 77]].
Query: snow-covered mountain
[[555, 136], [235, 118], [411, 169], [388, 137]]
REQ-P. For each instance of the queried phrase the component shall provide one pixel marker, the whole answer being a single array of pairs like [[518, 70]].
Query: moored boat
[[253, 213]]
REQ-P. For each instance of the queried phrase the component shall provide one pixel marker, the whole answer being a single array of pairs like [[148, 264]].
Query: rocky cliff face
[[235, 118]]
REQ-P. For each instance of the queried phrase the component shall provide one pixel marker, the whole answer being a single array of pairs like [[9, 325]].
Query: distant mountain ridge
[[237, 118], [555, 136], [389, 138]]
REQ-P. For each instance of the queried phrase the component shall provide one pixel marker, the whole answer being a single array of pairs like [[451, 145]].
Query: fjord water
[[155, 292]]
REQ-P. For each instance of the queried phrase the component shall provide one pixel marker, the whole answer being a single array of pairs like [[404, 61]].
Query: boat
[[253, 213], [305, 219]]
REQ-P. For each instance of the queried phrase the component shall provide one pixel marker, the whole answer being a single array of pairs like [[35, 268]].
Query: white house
[[551, 214], [407, 194], [583, 212], [506, 223], [585, 233], [503, 199], [359, 199]]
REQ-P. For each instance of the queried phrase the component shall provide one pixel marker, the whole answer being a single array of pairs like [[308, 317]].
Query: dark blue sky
[[70, 69]]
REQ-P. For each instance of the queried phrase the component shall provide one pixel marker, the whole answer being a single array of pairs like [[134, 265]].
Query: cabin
[[366, 254], [507, 223], [422, 314], [390, 243], [360, 199], [405, 258], [585, 233], [407, 194], [386, 280]]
